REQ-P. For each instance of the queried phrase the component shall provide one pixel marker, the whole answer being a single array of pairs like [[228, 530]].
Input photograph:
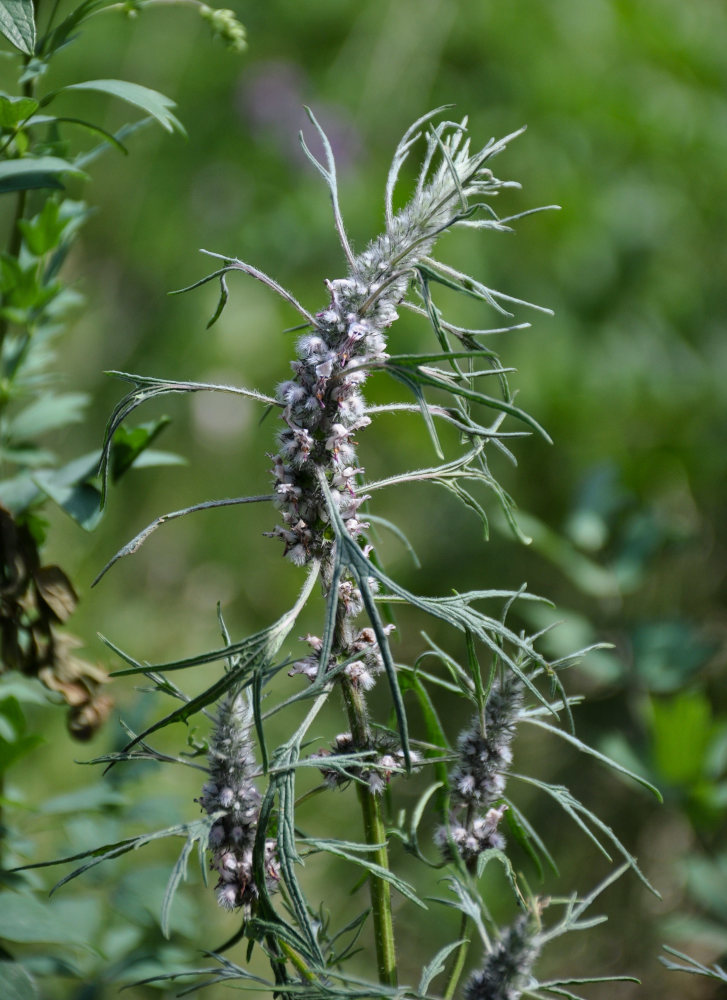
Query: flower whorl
[[507, 969], [231, 795], [479, 776]]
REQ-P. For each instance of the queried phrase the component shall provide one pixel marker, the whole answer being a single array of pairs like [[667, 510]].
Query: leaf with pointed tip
[[582, 816], [150, 101], [199, 828], [17, 23], [585, 748]]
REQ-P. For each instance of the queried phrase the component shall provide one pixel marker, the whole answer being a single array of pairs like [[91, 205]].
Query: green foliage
[[337, 550], [627, 380], [41, 166]]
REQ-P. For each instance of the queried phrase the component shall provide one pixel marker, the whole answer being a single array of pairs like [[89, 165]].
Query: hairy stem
[[375, 836]]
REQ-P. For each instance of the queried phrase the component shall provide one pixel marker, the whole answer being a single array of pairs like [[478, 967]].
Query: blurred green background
[[627, 131]]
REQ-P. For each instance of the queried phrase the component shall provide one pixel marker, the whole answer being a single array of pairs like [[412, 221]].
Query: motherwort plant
[[252, 826]]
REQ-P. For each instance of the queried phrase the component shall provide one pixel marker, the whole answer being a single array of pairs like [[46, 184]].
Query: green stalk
[[460, 956], [374, 835]]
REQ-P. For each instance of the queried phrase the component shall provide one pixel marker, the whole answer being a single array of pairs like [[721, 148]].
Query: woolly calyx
[[483, 757], [230, 795], [470, 841], [384, 760], [479, 776], [358, 650], [507, 969]]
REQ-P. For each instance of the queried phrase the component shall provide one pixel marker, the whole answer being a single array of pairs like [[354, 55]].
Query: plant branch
[[374, 834]]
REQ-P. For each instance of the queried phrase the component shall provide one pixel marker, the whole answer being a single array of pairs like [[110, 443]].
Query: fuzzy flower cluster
[[323, 410], [231, 797], [358, 650], [507, 970], [479, 776], [377, 770], [322, 404]]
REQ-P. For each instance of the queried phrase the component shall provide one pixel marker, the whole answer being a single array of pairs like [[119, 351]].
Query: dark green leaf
[[81, 501], [60, 34], [14, 743], [18, 24], [35, 172], [584, 748], [128, 443], [109, 137]]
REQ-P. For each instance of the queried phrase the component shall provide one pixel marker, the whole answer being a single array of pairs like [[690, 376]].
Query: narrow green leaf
[[150, 101], [18, 24], [224, 296], [179, 874], [35, 172], [403, 376], [354, 853], [584, 748], [579, 814], [524, 833], [396, 530]]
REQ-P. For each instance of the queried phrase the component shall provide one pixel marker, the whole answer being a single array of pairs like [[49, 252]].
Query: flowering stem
[[375, 836], [459, 960]]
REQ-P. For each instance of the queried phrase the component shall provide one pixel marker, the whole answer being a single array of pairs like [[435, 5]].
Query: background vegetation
[[626, 108]]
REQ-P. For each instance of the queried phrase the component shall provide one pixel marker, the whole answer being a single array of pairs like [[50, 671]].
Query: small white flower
[[227, 897], [226, 797], [324, 369]]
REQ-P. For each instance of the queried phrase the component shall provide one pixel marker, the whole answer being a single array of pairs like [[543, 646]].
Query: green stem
[[459, 959], [375, 835], [294, 958], [2, 821], [148, 3]]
